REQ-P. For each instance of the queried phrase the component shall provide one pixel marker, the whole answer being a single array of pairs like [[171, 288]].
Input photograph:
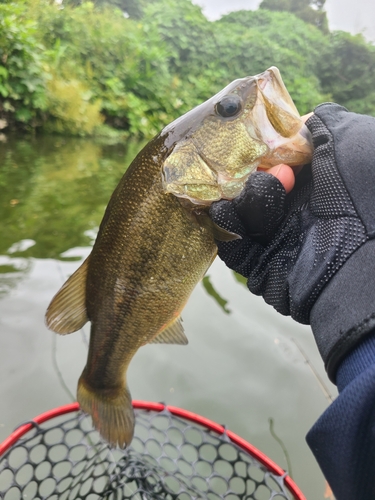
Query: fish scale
[[143, 266]]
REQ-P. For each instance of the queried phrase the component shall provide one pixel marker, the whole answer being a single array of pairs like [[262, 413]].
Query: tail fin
[[111, 411]]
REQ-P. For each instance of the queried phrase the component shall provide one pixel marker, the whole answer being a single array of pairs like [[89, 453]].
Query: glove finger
[[234, 253], [260, 206], [224, 214]]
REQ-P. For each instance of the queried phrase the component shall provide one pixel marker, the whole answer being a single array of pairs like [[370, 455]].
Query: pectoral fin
[[67, 310], [172, 334], [219, 233]]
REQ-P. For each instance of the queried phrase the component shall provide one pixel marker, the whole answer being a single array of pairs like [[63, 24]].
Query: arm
[[343, 439], [311, 255]]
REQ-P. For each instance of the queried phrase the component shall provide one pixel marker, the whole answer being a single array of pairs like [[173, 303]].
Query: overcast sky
[[356, 16]]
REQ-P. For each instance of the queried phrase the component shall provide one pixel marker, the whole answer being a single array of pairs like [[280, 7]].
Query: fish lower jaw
[[203, 195]]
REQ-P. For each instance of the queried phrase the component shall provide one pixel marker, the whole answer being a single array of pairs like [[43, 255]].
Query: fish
[[156, 240]]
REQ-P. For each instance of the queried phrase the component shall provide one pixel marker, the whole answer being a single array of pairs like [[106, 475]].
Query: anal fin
[[67, 310], [172, 334]]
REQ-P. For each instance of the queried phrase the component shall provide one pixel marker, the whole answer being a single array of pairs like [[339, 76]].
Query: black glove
[[311, 253]]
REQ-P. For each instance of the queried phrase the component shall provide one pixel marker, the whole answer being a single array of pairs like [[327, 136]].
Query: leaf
[[23, 114], [241, 279], [208, 286], [3, 72], [3, 91]]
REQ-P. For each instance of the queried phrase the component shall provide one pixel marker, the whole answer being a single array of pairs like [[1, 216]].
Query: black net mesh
[[170, 458]]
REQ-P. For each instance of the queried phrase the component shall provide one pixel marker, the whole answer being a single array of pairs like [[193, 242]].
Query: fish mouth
[[273, 89], [287, 137]]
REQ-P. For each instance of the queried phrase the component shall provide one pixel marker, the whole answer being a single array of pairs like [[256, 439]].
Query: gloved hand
[[311, 253]]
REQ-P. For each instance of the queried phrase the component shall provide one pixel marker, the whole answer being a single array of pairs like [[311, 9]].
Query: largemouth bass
[[156, 241]]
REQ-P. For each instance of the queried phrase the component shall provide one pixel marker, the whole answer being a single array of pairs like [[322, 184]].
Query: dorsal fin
[[172, 334], [67, 310]]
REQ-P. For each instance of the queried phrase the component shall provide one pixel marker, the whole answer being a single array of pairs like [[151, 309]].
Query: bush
[[22, 71], [347, 71], [70, 109], [68, 67], [252, 41]]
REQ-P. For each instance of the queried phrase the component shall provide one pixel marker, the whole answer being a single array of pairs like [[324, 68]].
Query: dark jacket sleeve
[[343, 439]]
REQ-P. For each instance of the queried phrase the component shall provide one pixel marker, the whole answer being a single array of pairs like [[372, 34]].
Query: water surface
[[239, 369]]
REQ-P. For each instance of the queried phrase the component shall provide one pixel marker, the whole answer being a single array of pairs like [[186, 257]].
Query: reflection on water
[[12, 271], [239, 369], [55, 190], [56, 193]]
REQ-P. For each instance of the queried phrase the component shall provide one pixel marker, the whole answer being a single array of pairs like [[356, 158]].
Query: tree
[[133, 8], [346, 71], [310, 11]]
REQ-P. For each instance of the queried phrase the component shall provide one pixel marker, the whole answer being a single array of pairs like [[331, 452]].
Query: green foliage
[[362, 105], [66, 68], [71, 112], [347, 72], [187, 33], [310, 11], [124, 63], [22, 74], [62, 184], [255, 40], [132, 8]]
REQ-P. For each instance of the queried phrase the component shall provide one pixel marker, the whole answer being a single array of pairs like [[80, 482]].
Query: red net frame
[[215, 428]]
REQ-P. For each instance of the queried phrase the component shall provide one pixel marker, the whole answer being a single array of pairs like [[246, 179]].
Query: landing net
[[175, 455]]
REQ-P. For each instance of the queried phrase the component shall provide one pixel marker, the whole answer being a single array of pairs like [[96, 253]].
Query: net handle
[[178, 412]]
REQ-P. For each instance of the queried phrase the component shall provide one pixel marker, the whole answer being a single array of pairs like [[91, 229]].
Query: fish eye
[[230, 105]]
